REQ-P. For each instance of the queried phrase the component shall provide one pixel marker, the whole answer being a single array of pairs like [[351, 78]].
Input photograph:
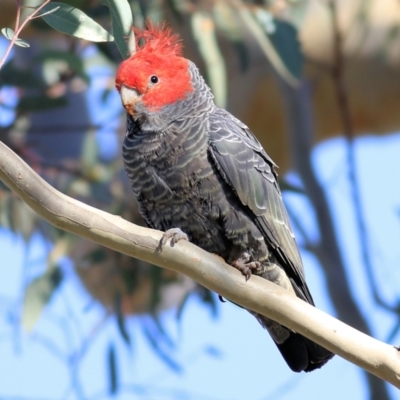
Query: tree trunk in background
[[297, 103]]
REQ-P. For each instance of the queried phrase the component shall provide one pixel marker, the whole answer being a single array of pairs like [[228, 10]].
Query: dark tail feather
[[301, 354]]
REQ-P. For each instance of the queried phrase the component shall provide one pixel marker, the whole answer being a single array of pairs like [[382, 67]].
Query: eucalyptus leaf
[[22, 43], [9, 34], [74, 22], [121, 319], [37, 295], [122, 22], [271, 50], [284, 39], [155, 343], [285, 185], [204, 32], [179, 311], [47, 12], [112, 369], [266, 20], [208, 298]]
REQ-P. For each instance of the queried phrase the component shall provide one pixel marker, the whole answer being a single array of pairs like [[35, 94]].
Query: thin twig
[[18, 29]]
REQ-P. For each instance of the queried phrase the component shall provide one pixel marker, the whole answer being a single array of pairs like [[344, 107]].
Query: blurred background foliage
[[298, 72]]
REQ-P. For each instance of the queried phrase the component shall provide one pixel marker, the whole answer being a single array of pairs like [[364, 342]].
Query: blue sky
[[227, 358]]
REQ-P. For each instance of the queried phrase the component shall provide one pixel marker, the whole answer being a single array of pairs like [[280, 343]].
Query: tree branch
[[209, 270]]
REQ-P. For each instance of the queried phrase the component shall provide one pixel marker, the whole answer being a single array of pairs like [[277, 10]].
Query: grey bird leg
[[175, 234], [245, 266]]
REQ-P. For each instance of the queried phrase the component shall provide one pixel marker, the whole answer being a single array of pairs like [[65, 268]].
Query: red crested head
[[156, 74]]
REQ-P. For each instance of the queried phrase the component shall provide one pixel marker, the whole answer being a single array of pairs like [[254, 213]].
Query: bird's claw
[[245, 266], [175, 234]]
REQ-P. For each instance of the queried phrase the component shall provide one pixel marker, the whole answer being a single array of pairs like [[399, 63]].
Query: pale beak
[[129, 98]]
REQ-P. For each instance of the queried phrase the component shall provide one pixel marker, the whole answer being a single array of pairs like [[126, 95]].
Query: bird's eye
[[154, 79]]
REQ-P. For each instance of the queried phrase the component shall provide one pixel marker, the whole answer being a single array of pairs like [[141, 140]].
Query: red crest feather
[[158, 39], [158, 52]]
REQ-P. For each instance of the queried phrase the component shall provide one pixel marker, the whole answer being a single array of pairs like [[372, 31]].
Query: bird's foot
[[175, 234], [245, 266]]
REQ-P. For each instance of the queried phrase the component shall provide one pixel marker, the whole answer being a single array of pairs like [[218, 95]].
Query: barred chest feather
[[175, 183]]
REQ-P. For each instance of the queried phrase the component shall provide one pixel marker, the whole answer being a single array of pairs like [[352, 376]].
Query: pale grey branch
[[209, 270]]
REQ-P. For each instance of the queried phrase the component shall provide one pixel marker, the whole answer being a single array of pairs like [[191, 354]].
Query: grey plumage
[[195, 167]]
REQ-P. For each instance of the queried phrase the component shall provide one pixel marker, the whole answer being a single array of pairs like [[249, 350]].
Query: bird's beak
[[129, 98]]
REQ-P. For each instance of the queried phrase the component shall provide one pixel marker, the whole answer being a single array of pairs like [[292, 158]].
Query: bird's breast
[[177, 188]]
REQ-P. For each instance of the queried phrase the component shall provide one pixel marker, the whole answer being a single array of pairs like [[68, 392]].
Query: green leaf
[[112, 369], [47, 12], [283, 38], [204, 33], [122, 22], [9, 34], [266, 20], [208, 298], [74, 22], [285, 185], [179, 311], [287, 45], [121, 319], [37, 295], [156, 344], [261, 31]]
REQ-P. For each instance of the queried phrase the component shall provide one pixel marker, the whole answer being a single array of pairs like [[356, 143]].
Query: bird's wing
[[246, 167]]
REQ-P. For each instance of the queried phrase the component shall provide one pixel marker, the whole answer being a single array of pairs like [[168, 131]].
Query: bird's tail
[[300, 353]]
